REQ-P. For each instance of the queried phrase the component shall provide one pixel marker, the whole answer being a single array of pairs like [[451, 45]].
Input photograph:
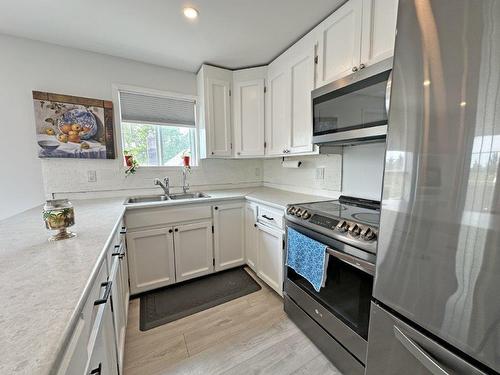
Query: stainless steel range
[[336, 318]]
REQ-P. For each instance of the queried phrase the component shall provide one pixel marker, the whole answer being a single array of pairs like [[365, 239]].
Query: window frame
[[117, 88]]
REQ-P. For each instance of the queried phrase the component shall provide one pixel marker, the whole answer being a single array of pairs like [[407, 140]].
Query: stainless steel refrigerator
[[436, 307]]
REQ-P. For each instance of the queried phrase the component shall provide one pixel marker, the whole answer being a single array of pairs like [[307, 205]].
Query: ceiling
[[229, 33]]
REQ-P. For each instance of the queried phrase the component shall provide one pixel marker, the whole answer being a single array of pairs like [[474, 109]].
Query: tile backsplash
[[318, 174]]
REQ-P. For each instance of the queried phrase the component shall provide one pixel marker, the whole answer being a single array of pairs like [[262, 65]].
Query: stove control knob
[[368, 234], [354, 230], [306, 215], [291, 210], [342, 226], [298, 213]]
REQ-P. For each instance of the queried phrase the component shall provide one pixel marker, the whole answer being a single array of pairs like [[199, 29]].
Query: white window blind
[[141, 108]]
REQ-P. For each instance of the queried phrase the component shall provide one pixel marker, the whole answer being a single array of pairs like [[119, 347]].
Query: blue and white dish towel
[[307, 257]]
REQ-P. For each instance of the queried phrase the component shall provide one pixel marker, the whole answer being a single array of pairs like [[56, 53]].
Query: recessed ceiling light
[[426, 82], [463, 104], [190, 13]]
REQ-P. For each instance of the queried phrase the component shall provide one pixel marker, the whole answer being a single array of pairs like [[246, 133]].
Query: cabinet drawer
[[270, 216], [149, 217]]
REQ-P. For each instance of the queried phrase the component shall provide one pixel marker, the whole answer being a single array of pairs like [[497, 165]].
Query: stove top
[[351, 220]]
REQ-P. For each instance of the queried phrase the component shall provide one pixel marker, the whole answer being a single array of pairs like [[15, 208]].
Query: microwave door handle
[[425, 359], [388, 94], [360, 264]]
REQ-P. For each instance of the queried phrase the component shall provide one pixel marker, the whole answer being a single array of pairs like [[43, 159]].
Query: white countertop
[[43, 283]]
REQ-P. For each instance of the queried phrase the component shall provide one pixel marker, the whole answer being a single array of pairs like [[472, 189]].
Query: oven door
[[353, 109], [342, 307]]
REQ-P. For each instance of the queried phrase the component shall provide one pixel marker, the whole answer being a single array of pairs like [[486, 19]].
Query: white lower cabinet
[[193, 250], [270, 257], [229, 220], [103, 357], [251, 236], [119, 304], [151, 259]]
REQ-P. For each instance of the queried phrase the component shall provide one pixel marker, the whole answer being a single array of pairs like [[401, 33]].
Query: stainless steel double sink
[[163, 198]]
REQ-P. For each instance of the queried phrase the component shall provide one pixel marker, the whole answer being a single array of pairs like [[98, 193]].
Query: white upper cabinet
[[379, 30], [339, 49], [358, 34], [214, 111], [288, 100], [248, 114], [278, 109], [193, 250], [269, 112], [302, 83]]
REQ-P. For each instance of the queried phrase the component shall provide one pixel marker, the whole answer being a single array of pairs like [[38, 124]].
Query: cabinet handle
[[362, 66], [107, 292], [213, 153], [255, 225], [216, 208], [176, 229], [267, 217], [239, 153], [355, 69], [170, 231], [97, 370], [124, 230]]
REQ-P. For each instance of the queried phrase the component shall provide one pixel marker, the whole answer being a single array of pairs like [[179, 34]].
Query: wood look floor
[[249, 335]]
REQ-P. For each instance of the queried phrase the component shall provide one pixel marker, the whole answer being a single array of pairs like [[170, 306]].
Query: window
[[158, 130]]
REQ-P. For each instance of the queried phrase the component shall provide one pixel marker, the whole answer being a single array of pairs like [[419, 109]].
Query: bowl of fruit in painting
[[77, 125]]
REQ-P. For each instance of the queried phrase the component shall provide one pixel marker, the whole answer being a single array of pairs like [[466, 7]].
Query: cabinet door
[[249, 118], [102, 344], [251, 236], [278, 110], [117, 300], [270, 265], [229, 235], [193, 250], [302, 83], [339, 47], [218, 109], [379, 30], [151, 259]]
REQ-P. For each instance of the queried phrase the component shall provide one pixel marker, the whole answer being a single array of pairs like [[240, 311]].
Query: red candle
[[186, 160]]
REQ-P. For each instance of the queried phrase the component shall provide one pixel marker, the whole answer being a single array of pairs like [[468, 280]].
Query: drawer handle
[[121, 251], [267, 217], [216, 208], [107, 292], [97, 370]]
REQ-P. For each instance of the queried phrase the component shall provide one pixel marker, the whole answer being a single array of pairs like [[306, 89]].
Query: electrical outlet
[[320, 173], [92, 176]]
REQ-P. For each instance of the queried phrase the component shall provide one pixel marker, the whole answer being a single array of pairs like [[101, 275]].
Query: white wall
[[28, 65], [363, 170], [303, 179]]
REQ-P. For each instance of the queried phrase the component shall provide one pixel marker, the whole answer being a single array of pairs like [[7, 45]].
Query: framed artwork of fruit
[[73, 127]]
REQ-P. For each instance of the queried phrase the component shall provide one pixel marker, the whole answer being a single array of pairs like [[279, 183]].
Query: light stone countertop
[[45, 283]]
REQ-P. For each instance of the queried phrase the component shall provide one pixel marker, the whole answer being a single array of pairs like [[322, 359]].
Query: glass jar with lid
[[59, 215]]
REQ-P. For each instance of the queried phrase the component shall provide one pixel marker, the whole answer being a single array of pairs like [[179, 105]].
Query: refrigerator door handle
[[425, 359]]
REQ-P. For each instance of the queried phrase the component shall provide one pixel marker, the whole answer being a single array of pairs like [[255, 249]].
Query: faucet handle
[[157, 181], [166, 180]]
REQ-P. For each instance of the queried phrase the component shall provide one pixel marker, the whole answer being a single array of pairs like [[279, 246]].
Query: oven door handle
[[358, 263]]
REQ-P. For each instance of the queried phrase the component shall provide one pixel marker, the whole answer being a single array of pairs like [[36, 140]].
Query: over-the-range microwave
[[353, 109]]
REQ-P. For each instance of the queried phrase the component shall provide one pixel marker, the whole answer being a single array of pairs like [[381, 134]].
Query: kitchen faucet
[[165, 185], [185, 185]]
